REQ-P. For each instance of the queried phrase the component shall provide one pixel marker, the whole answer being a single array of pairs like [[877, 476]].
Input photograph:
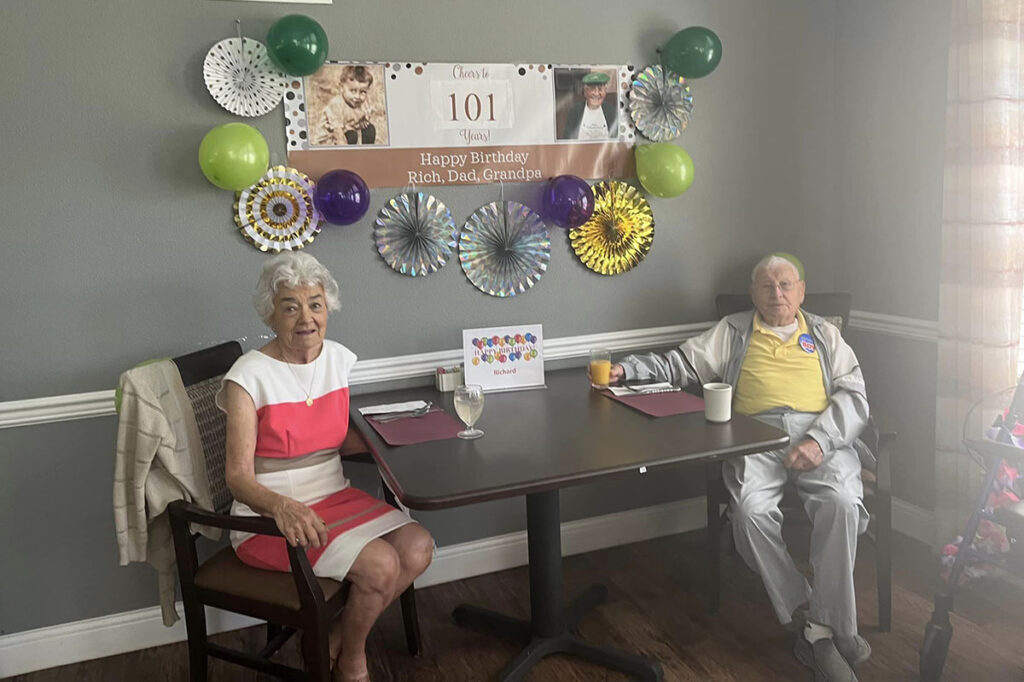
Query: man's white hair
[[771, 261], [292, 269]]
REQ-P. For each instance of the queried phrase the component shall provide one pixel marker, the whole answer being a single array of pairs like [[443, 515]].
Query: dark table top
[[540, 439]]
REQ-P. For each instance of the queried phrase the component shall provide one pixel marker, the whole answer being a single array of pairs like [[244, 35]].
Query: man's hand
[[804, 456], [615, 375]]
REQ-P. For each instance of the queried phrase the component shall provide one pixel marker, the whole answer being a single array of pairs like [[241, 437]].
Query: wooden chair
[[289, 602], [875, 475]]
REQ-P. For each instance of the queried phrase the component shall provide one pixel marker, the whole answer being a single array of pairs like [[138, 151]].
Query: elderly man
[[595, 118], [792, 369]]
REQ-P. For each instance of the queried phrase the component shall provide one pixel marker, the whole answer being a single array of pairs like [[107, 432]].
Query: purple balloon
[[568, 201], [342, 197]]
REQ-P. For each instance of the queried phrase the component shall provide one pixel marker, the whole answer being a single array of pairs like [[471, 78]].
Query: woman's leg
[[374, 577], [415, 549]]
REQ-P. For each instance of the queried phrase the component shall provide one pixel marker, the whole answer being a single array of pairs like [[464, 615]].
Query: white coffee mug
[[717, 402]]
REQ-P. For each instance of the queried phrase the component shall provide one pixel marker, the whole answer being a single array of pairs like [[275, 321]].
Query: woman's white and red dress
[[297, 455]]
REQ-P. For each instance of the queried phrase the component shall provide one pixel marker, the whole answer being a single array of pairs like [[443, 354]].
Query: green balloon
[[297, 44], [664, 169], [693, 52], [233, 156]]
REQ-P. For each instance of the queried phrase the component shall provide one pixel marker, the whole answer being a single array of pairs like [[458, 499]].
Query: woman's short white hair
[[292, 269], [771, 261]]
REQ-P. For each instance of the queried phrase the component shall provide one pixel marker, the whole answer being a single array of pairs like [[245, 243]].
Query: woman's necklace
[[312, 378]]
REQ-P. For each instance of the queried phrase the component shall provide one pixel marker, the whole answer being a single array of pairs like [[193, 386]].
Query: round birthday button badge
[[806, 343]]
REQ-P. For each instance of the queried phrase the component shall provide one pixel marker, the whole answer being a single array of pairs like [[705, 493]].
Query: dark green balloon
[[297, 44], [693, 52]]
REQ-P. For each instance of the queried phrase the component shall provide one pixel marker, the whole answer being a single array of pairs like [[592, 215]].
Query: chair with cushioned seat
[[875, 472], [289, 602]]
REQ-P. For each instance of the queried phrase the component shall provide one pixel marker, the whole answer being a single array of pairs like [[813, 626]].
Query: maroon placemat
[[661, 404], [434, 425]]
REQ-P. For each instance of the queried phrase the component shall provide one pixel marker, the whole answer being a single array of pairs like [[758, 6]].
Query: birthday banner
[[403, 124]]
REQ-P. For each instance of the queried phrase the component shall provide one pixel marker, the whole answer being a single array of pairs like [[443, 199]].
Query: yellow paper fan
[[619, 233]]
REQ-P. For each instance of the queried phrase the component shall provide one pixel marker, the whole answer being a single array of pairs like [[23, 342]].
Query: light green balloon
[[664, 169], [792, 259], [234, 156]]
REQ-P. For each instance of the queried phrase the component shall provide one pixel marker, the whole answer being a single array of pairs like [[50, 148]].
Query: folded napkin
[[392, 407], [641, 389]]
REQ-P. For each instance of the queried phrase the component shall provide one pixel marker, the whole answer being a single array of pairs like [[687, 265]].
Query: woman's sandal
[[337, 676]]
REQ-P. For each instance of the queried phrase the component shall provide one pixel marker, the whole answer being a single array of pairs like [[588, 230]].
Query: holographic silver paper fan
[[415, 233], [504, 248], [660, 103], [245, 84]]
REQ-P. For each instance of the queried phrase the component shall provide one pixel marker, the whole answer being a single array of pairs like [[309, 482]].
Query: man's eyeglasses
[[785, 286]]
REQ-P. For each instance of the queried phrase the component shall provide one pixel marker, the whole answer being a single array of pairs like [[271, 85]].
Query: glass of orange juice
[[600, 367]]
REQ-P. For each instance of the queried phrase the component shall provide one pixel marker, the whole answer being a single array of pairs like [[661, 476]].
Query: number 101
[[472, 106]]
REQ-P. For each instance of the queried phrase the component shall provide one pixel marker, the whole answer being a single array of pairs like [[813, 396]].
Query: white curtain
[[982, 235]]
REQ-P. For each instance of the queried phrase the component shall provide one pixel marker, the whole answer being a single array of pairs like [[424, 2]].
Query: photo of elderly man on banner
[[586, 104]]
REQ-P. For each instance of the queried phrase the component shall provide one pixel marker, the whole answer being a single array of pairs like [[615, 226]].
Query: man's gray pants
[[832, 495]]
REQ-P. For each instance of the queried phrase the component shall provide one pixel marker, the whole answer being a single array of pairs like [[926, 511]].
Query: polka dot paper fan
[[241, 77]]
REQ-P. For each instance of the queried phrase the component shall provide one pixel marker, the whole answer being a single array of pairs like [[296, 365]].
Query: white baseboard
[[84, 640], [119, 633]]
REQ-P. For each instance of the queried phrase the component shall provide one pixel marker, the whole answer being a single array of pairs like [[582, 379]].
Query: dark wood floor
[[656, 608]]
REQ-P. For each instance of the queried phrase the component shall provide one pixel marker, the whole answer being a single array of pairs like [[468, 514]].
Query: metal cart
[[991, 446]]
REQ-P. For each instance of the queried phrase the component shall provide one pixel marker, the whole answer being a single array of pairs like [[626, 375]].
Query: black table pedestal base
[[550, 629], [563, 643]]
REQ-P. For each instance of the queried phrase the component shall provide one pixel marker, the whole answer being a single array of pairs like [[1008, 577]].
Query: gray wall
[[891, 76], [117, 249], [126, 252]]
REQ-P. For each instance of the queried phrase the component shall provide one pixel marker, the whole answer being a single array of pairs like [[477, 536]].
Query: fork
[[642, 390], [418, 412]]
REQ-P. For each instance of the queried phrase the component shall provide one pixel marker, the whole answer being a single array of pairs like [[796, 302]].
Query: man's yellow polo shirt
[[780, 374]]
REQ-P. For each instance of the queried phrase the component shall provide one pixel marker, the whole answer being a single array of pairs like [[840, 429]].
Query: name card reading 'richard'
[[504, 358]]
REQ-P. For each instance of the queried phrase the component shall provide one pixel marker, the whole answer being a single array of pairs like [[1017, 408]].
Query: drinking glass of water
[[469, 403]]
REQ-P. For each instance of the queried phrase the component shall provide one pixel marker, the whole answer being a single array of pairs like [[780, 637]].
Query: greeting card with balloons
[[504, 358]]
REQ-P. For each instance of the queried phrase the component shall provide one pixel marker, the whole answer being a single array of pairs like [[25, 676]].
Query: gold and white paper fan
[[240, 76], [277, 213]]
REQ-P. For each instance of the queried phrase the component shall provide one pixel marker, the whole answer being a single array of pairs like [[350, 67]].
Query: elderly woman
[[287, 415]]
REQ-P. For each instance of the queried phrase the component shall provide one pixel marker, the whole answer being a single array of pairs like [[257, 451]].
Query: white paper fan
[[246, 85]]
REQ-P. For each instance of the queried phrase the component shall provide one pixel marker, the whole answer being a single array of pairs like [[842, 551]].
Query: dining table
[[537, 442]]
